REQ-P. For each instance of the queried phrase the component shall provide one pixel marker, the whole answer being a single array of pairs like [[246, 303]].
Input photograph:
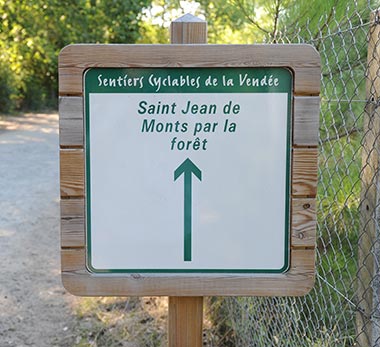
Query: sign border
[[286, 265], [301, 59]]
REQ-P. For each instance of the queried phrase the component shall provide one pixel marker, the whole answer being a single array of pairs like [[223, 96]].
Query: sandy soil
[[35, 310]]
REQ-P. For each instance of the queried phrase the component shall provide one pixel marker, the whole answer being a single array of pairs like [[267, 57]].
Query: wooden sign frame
[[302, 60]]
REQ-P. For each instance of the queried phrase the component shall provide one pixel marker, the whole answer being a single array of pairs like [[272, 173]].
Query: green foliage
[[225, 21], [33, 32], [158, 16], [8, 90]]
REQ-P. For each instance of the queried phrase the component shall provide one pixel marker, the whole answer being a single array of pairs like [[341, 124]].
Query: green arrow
[[187, 168]]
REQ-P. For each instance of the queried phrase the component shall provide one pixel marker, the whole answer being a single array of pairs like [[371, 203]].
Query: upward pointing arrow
[[187, 168]]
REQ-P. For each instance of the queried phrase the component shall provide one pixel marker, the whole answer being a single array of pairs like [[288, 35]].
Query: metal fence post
[[186, 313], [368, 318]]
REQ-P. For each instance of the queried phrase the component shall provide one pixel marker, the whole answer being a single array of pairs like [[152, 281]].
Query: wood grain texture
[[188, 29], [72, 223], [368, 288], [304, 222], [302, 59], [305, 172], [73, 259], [186, 313], [185, 321], [303, 226], [297, 281], [71, 122], [306, 121], [72, 172]]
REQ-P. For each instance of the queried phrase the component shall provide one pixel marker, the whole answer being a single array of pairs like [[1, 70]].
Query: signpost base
[[185, 321]]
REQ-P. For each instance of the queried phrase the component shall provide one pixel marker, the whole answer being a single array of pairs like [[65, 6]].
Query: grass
[[129, 322]]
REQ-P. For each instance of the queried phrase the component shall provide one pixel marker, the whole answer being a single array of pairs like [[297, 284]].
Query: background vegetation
[[33, 32]]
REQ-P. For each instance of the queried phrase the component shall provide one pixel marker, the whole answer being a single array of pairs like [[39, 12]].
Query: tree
[[33, 32]]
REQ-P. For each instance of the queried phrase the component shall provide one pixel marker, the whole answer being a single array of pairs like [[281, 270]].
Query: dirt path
[[34, 308]]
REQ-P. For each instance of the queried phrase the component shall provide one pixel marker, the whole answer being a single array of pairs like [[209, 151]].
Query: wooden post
[[185, 321], [368, 317], [188, 29], [186, 313]]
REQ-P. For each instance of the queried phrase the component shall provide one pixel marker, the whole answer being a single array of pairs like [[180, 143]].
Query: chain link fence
[[343, 309]]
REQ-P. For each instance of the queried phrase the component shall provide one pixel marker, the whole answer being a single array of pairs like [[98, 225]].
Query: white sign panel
[[188, 170]]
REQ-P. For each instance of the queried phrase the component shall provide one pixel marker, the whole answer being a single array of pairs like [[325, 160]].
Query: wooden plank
[[72, 172], [300, 258], [307, 81], [304, 222], [72, 223], [306, 121], [302, 59], [185, 321], [305, 124], [73, 259], [297, 281], [72, 208], [71, 121], [69, 82], [305, 172], [72, 232]]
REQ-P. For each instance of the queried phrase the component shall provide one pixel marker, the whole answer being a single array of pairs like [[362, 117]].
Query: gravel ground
[[35, 310]]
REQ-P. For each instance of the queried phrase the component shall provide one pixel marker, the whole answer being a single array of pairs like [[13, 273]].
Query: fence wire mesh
[[343, 309]]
